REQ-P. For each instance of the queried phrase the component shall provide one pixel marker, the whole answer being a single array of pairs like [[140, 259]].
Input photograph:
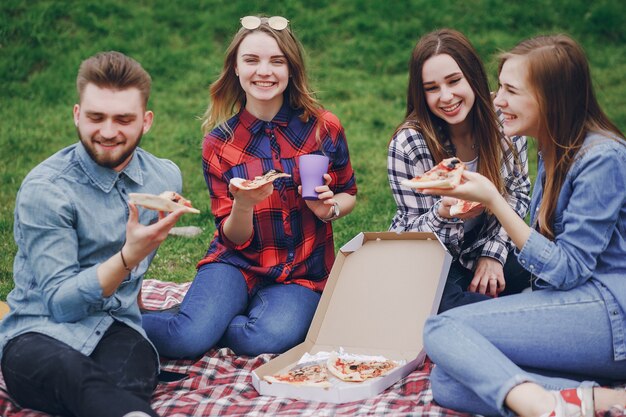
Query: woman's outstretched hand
[[473, 187]]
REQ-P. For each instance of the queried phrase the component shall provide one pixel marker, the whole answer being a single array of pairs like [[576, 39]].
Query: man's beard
[[108, 162]]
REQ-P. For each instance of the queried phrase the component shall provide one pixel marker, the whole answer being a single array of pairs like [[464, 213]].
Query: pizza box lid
[[381, 289]]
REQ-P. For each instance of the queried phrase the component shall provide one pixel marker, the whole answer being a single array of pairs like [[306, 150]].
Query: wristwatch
[[335, 213]]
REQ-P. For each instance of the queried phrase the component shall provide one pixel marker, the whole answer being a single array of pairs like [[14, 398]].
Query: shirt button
[[98, 332], [523, 262]]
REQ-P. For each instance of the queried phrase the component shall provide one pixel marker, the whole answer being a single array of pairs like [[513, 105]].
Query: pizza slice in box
[[257, 182], [446, 174], [166, 201], [355, 370], [315, 375]]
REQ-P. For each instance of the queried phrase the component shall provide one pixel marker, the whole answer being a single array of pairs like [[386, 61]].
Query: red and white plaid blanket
[[219, 384]]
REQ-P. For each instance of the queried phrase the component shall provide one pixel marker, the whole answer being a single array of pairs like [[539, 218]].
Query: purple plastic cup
[[312, 170]]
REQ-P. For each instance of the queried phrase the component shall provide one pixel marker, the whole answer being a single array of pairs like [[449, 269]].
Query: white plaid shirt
[[409, 157]]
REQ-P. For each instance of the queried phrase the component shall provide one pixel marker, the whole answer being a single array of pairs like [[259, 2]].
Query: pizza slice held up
[[166, 201], [259, 181], [446, 174]]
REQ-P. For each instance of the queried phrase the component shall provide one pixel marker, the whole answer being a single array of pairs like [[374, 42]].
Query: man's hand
[[141, 240]]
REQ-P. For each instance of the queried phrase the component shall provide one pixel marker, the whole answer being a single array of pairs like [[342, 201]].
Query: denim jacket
[[590, 230], [70, 216]]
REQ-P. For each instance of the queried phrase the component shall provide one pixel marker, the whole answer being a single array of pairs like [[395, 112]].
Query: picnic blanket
[[220, 384]]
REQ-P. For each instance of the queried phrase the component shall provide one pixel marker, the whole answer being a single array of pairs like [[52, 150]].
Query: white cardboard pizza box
[[381, 289]]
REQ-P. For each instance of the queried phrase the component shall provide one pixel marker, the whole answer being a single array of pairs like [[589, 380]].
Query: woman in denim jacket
[[544, 353]]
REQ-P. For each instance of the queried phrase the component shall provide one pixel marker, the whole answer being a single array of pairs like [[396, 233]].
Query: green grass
[[357, 55]]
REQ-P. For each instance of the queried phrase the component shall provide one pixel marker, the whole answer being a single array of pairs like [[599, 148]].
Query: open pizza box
[[381, 289]]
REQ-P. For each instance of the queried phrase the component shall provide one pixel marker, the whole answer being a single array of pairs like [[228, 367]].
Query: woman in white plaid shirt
[[450, 113]]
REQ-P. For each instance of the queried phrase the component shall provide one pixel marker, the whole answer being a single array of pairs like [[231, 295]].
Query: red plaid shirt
[[289, 244]]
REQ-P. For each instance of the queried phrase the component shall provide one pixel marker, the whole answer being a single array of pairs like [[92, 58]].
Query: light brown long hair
[[482, 116], [560, 79], [227, 96]]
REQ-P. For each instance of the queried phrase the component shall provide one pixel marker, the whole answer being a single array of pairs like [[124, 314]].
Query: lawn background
[[357, 55]]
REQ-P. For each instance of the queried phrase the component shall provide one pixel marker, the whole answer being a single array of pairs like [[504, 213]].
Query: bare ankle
[[606, 398], [529, 400]]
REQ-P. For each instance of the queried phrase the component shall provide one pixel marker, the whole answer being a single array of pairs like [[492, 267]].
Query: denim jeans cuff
[[506, 388]]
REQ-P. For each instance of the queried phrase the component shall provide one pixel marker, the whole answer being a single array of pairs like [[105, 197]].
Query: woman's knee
[[247, 337], [433, 324], [438, 381]]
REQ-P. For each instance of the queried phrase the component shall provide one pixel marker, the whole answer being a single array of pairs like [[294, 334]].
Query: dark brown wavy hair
[[482, 116]]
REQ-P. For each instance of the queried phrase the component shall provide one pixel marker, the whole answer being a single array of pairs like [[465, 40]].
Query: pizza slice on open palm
[[259, 181]]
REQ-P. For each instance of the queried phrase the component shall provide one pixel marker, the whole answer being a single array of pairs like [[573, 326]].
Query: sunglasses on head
[[253, 22]]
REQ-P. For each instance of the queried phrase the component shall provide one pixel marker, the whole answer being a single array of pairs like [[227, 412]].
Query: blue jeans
[[45, 374], [218, 310], [558, 339], [455, 292]]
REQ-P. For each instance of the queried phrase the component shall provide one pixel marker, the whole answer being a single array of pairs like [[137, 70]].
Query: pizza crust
[[161, 202]]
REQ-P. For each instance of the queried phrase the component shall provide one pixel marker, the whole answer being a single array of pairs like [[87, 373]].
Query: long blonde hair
[[560, 79], [482, 116], [227, 96]]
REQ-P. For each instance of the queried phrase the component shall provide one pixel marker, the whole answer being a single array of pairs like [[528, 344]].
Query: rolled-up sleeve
[[408, 157], [595, 196], [517, 184]]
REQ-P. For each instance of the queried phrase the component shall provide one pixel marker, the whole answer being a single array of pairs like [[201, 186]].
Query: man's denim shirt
[[70, 216], [590, 229]]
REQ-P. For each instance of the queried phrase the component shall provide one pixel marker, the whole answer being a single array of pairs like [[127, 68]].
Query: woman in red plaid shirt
[[258, 286]]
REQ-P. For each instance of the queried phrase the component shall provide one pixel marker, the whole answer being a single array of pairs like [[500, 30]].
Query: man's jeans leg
[[45, 374]]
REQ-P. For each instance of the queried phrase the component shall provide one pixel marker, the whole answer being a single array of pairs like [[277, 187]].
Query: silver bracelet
[[336, 211]]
